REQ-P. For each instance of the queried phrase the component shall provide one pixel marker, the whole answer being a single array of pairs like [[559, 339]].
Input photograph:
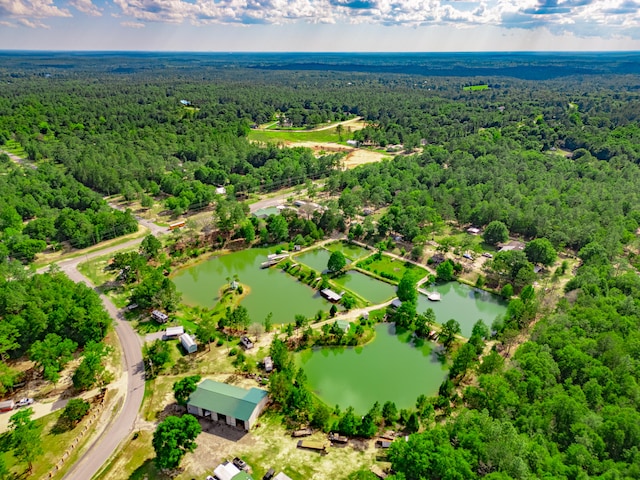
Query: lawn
[[53, 445], [473, 88], [351, 251], [134, 461], [387, 267], [320, 136]]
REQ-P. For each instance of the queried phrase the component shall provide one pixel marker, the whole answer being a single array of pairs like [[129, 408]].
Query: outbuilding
[[227, 403], [174, 332], [159, 316], [331, 295], [246, 343], [188, 344]]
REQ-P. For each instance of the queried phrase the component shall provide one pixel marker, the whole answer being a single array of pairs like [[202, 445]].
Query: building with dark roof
[[227, 403]]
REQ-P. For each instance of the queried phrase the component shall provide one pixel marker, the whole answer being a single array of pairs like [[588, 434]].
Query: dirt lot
[[270, 446], [355, 156]]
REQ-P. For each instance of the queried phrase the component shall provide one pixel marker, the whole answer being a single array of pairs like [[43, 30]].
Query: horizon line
[[266, 52]]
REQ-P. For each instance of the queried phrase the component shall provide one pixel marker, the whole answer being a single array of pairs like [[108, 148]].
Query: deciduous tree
[[173, 438]]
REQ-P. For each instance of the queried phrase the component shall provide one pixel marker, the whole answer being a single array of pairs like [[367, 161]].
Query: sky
[[320, 25]]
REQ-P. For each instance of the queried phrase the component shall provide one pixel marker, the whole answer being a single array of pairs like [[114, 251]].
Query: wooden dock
[[433, 296]]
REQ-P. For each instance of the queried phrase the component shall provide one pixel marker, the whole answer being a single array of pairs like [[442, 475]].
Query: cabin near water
[[331, 295], [222, 402]]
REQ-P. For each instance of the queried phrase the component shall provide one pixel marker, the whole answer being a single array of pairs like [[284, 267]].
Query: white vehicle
[[23, 402]]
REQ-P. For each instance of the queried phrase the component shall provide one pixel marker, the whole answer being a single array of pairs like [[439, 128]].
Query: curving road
[[133, 369], [120, 425]]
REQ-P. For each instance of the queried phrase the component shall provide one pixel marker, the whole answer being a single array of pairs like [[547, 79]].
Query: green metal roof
[[243, 476], [226, 399], [344, 325]]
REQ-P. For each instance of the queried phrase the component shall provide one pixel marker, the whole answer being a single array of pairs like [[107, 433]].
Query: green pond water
[[316, 259], [376, 291], [271, 290], [353, 252], [464, 303], [389, 368]]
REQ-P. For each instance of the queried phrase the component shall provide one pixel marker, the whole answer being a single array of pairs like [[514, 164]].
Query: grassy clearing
[[386, 267], [321, 136], [54, 445], [42, 260], [352, 252], [94, 269], [474, 88], [134, 461], [15, 148]]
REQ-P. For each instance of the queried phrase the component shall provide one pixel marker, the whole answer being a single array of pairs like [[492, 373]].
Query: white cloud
[[580, 17], [86, 6], [133, 24], [29, 13]]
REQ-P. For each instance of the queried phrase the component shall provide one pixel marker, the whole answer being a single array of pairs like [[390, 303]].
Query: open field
[[47, 258], [473, 88], [53, 444]]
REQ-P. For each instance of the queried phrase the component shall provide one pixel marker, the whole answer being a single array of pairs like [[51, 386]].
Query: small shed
[[473, 230], [221, 191], [159, 316], [246, 343], [226, 471], [268, 364], [331, 295], [343, 325], [397, 303], [173, 332], [188, 344], [281, 476]]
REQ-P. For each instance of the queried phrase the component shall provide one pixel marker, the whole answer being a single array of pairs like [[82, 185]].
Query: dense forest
[[549, 152]]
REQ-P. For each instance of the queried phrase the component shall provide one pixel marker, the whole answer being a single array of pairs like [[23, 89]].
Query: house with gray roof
[[222, 402]]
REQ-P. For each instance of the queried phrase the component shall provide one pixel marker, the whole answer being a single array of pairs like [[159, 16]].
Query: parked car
[[487, 254], [467, 256], [241, 464], [23, 402], [209, 477]]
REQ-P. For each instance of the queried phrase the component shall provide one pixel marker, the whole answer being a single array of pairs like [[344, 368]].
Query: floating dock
[[433, 296]]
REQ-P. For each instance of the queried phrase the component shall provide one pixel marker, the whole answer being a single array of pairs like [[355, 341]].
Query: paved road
[[133, 369]]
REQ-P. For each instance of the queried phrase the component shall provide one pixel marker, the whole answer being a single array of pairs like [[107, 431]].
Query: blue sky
[[320, 25]]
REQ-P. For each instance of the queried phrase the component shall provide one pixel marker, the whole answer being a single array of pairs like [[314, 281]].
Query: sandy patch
[[360, 157]]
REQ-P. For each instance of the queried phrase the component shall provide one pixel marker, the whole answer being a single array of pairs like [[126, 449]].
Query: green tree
[[348, 423], [26, 441], [206, 331], [278, 228], [184, 387], [268, 322], [52, 354], [541, 251], [462, 360], [496, 232], [174, 437], [507, 291], [444, 271], [413, 423], [389, 413], [91, 370], [336, 262], [348, 301], [150, 246], [75, 410], [407, 287], [156, 357], [248, 232], [450, 329]]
